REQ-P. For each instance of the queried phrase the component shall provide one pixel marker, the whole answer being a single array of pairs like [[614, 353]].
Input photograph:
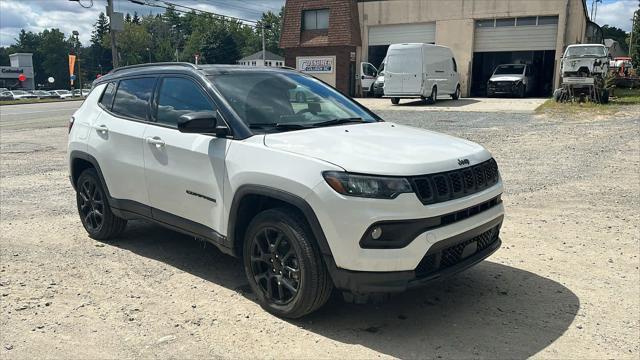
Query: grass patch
[[622, 97], [35, 101]]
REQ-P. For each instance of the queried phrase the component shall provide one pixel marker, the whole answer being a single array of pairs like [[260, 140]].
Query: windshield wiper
[[283, 126], [338, 122]]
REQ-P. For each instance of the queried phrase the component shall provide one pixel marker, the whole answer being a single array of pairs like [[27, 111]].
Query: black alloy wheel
[[283, 264], [275, 265], [93, 207], [90, 205]]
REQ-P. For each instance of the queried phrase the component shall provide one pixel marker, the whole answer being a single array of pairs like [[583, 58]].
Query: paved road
[[43, 115]]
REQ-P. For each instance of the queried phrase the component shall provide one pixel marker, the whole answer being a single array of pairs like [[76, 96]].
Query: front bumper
[[503, 87], [444, 258]]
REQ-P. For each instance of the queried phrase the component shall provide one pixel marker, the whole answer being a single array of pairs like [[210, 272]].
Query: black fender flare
[[77, 154], [287, 197]]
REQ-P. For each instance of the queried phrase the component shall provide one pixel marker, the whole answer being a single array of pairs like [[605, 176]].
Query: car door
[[413, 71], [116, 138], [368, 74], [184, 172]]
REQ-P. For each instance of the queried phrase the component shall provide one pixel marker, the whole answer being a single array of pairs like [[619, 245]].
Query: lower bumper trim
[[363, 282]]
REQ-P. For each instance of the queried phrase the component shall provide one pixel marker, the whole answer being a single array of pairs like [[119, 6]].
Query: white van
[[420, 71]]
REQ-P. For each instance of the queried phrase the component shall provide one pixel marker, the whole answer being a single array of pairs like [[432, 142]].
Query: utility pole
[[77, 35], [112, 33], [264, 49]]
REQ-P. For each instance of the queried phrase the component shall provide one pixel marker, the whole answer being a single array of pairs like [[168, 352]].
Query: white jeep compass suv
[[313, 195]]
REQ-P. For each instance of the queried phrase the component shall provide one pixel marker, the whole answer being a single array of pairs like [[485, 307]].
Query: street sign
[[22, 77], [72, 77]]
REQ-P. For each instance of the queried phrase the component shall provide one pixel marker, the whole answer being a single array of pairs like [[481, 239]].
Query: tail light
[[71, 121]]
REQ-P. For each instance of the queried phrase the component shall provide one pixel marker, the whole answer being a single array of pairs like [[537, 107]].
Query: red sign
[[22, 77]]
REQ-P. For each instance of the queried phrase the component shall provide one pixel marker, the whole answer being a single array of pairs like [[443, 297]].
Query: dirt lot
[[566, 283]]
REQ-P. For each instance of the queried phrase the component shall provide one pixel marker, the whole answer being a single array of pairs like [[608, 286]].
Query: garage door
[[525, 34], [402, 33]]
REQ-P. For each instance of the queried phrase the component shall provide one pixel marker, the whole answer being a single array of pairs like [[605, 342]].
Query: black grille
[[434, 262], [450, 185]]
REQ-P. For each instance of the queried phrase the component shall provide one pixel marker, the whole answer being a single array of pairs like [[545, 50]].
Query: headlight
[[379, 187]]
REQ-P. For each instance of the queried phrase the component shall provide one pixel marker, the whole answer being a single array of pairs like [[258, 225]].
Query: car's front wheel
[[284, 268], [94, 210]]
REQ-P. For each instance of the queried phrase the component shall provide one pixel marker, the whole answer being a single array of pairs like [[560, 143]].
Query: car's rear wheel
[[433, 97], [283, 266], [395, 100], [456, 94], [94, 210]]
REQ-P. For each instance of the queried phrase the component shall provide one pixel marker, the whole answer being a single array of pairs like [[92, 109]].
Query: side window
[[455, 66], [368, 69], [179, 96], [107, 95], [132, 97]]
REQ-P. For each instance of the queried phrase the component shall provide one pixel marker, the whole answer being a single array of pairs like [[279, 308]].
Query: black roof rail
[[185, 64]]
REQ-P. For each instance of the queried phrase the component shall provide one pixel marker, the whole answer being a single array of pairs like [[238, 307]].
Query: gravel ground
[[565, 284]]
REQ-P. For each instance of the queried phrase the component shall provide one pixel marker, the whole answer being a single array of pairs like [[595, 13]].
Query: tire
[[456, 95], [522, 91], [433, 97], [395, 100], [604, 96], [280, 254], [94, 210]]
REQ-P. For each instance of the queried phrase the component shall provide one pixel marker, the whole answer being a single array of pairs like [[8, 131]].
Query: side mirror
[[203, 122]]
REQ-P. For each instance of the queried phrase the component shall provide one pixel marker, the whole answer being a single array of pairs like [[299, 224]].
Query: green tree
[[4, 56], [272, 32], [100, 52], [635, 44], [56, 62], [132, 44]]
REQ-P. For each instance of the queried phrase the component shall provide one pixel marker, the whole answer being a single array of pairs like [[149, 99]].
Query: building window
[[526, 21], [547, 20], [485, 23], [253, 63], [505, 22], [315, 19]]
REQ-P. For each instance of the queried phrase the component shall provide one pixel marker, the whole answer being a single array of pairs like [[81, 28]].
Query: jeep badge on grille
[[463, 162]]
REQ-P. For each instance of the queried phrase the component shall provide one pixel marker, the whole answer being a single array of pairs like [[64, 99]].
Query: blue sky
[[36, 15]]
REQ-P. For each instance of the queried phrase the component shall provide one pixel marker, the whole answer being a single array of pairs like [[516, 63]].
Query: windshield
[[268, 100], [584, 51], [509, 70]]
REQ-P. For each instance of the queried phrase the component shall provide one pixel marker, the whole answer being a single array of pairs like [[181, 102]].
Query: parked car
[[378, 85], [3, 90], [512, 79], [5, 95], [76, 92], [326, 196], [420, 71], [368, 75], [62, 94], [42, 94], [18, 95], [585, 67]]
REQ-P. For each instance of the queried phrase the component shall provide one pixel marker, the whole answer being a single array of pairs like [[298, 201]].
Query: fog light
[[376, 233]]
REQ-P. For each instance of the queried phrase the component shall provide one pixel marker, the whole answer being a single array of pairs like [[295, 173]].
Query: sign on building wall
[[316, 65]]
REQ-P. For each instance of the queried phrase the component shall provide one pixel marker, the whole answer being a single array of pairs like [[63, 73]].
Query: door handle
[[103, 129], [155, 141]]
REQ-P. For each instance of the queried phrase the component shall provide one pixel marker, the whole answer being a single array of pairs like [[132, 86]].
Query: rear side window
[[107, 95], [179, 96], [132, 97]]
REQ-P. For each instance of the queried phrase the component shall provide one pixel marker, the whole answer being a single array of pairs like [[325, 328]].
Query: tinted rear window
[[107, 95], [132, 97]]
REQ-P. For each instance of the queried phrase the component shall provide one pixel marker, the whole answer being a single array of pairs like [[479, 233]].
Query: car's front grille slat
[[450, 185]]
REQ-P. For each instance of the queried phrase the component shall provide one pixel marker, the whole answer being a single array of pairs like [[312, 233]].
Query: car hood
[[506, 78], [381, 148]]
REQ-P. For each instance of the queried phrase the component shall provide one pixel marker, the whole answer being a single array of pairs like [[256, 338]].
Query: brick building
[[343, 41], [321, 37]]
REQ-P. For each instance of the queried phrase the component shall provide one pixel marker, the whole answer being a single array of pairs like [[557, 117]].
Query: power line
[[174, 7]]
